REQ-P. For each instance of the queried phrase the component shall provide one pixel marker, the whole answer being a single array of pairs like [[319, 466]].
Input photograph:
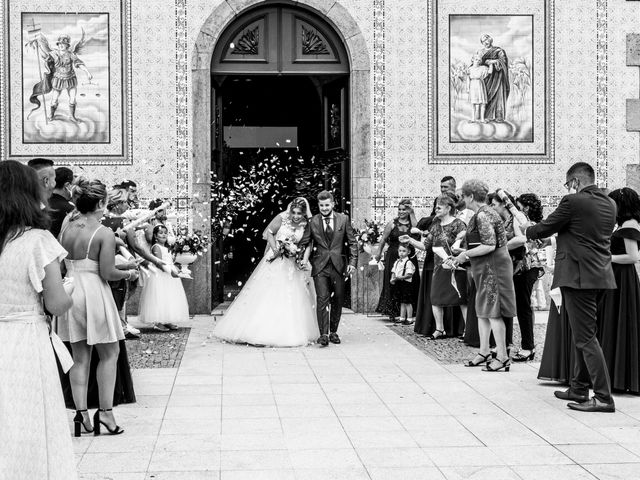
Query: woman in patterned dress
[[492, 273], [444, 231]]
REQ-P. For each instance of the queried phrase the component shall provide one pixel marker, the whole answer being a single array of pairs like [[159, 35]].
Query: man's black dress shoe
[[593, 405], [334, 338], [569, 395], [323, 340]]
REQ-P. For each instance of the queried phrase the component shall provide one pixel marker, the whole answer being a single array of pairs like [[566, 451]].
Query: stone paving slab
[[374, 407]]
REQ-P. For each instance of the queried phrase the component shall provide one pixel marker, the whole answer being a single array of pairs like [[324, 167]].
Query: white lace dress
[[276, 306], [35, 441]]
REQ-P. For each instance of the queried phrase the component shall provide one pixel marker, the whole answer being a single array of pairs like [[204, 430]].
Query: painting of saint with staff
[[80, 40]]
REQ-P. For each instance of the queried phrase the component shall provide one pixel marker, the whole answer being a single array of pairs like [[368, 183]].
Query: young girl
[[401, 275], [163, 300], [477, 88]]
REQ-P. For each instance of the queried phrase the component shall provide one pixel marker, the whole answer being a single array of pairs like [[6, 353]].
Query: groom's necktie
[[328, 231]]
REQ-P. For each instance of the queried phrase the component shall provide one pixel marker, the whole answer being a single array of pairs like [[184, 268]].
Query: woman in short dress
[[93, 322], [492, 273], [34, 435]]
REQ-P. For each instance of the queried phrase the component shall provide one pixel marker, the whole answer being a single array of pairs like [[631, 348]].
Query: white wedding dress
[[276, 307]]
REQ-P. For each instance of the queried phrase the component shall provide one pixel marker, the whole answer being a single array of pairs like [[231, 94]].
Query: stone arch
[[360, 109]]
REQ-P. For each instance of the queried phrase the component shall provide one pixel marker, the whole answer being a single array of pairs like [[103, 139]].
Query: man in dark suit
[[60, 200], [584, 222], [328, 233]]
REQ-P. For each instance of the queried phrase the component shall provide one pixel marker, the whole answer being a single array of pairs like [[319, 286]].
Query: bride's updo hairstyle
[[300, 203], [89, 194]]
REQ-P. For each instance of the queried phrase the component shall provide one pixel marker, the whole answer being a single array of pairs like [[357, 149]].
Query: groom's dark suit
[[584, 223], [328, 264]]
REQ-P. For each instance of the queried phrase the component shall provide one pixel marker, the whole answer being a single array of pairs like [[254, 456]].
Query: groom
[[328, 233]]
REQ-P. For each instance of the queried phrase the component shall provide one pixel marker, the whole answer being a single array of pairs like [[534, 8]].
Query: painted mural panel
[[65, 79], [68, 88], [491, 73], [491, 78]]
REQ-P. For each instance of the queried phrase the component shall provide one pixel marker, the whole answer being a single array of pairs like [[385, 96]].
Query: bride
[[276, 307]]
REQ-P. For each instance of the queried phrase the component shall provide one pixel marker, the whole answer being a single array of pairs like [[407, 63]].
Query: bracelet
[[466, 256], [128, 277]]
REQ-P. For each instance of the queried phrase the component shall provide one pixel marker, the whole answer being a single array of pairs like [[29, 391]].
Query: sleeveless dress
[[123, 392], [276, 307], [425, 321], [619, 319], [35, 441], [443, 293], [163, 299], [387, 304], [94, 316]]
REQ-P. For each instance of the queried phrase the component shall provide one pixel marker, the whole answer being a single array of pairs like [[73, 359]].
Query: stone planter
[[184, 260]]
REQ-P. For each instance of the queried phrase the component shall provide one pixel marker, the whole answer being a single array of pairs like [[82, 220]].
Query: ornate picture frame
[[67, 72], [490, 82]]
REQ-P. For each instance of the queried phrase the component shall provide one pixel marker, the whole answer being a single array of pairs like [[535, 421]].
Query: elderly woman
[[444, 232], [401, 225], [492, 274]]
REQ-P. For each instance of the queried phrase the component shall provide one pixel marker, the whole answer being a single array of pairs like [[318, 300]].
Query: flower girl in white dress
[[163, 299], [276, 307]]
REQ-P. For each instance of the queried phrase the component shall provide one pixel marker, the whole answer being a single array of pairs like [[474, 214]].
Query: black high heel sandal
[[96, 424], [485, 359], [503, 365], [78, 424], [441, 334], [518, 357]]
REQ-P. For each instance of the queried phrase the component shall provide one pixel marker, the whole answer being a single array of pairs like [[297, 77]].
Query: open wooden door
[[335, 126], [217, 162]]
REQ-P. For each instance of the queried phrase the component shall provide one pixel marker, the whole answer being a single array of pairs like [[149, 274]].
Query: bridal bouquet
[[286, 248]]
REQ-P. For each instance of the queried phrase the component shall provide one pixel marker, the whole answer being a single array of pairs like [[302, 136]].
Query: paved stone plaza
[[373, 407]]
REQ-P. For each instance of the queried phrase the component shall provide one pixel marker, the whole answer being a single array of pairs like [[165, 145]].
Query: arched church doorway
[[280, 86]]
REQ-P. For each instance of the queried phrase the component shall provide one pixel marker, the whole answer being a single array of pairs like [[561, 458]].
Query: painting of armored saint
[[65, 64], [491, 78]]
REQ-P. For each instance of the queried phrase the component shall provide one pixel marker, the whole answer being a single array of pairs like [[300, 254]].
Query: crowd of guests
[[70, 258], [485, 253]]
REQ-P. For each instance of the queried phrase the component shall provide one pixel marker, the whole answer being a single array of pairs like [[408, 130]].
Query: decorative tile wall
[[592, 83]]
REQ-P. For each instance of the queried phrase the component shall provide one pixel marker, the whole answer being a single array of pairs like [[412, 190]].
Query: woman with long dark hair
[[401, 225], [34, 436], [93, 322], [619, 309]]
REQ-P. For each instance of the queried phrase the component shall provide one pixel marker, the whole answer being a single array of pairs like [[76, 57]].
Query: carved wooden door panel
[[279, 40]]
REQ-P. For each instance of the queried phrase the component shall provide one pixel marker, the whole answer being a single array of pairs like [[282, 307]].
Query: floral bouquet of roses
[[194, 243], [287, 248], [370, 234]]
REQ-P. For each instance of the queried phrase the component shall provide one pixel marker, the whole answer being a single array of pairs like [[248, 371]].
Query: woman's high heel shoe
[[496, 365], [518, 357], [78, 423], [96, 424], [475, 362]]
